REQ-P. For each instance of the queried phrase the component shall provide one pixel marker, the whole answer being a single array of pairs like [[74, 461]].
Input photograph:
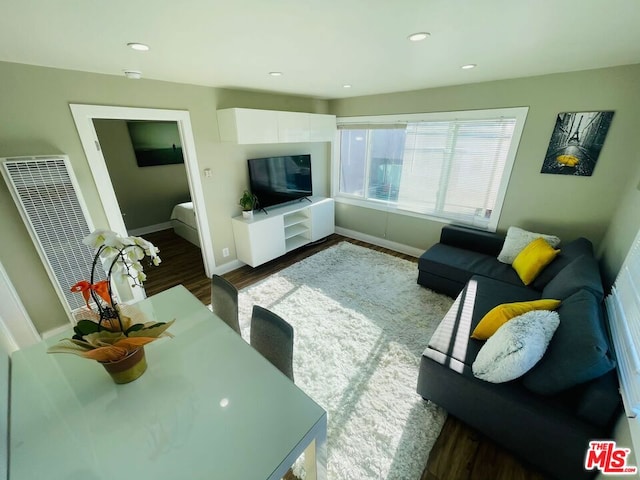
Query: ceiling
[[321, 45]]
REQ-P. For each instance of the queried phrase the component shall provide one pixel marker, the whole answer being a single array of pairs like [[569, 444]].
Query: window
[[453, 165], [623, 315]]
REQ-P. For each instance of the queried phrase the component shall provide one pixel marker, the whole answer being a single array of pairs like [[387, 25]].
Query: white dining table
[[208, 407]]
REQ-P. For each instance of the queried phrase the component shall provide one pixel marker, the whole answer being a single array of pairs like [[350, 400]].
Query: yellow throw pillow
[[532, 260], [501, 314]]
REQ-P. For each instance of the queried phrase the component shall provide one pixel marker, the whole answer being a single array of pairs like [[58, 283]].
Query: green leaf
[[134, 328], [85, 327], [155, 330]]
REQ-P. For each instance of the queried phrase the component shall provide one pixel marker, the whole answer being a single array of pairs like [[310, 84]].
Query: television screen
[[155, 142], [282, 179]]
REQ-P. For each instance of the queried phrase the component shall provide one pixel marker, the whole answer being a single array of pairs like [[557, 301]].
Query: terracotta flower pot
[[129, 368]]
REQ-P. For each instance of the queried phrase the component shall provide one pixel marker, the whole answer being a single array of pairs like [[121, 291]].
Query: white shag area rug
[[361, 324]]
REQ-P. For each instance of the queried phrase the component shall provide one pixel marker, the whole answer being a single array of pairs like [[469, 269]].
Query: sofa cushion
[[579, 350], [460, 265], [517, 239], [568, 253], [452, 336], [581, 273], [501, 314], [516, 347], [532, 260]]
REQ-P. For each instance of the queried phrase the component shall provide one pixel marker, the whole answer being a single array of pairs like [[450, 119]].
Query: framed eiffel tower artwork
[[576, 142]]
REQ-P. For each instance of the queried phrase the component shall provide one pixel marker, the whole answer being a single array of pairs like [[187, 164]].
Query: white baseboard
[[56, 331], [136, 232], [228, 267], [381, 242]]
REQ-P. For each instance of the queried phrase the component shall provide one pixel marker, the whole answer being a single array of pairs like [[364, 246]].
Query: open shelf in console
[[297, 230]]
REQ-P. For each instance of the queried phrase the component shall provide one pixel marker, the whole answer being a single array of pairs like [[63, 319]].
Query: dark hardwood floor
[[460, 453]]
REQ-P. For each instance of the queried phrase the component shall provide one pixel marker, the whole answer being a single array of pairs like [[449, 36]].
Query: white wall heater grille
[[48, 198]]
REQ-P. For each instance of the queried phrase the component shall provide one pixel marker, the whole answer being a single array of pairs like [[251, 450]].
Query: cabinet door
[[322, 219], [259, 241], [322, 128], [248, 126], [293, 127]]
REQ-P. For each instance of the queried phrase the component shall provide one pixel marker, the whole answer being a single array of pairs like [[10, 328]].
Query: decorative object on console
[[576, 142], [116, 334], [248, 202]]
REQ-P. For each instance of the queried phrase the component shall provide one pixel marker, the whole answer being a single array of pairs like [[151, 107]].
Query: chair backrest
[[273, 338], [224, 301]]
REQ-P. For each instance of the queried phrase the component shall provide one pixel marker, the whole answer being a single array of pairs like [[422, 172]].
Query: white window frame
[[519, 113], [623, 315]]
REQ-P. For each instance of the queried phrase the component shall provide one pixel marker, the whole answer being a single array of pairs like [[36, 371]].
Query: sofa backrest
[[581, 273], [568, 253], [472, 239]]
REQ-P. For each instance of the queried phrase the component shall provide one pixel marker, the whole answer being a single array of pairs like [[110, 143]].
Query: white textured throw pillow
[[516, 346], [517, 239]]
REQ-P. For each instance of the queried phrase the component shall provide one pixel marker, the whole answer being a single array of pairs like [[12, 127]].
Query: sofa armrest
[[601, 401], [472, 239]]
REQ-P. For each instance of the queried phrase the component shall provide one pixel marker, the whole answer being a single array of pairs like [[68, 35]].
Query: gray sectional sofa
[[548, 416]]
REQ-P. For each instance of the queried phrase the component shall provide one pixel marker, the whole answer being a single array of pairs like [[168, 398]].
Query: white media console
[[282, 229]]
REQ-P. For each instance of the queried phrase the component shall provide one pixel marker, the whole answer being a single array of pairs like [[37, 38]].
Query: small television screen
[[282, 179], [155, 142]]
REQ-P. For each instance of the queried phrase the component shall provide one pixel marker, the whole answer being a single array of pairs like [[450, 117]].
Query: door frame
[[83, 116], [16, 328]]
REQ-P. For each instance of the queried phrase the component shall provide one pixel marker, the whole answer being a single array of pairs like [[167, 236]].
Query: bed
[[183, 220]]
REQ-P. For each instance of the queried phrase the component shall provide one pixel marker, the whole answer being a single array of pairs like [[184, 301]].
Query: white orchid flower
[[122, 255], [97, 238], [110, 255], [133, 254]]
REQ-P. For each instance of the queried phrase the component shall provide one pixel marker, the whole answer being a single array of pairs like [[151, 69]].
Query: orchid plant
[[115, 330]]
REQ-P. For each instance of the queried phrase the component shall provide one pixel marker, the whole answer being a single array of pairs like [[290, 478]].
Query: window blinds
[[623, 312]]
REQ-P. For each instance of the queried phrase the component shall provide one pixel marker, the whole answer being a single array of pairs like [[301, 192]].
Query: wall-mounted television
[[155, 142], [282, 179]]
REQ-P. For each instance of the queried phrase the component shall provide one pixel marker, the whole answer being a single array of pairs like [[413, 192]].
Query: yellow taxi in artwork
[[568, 160]]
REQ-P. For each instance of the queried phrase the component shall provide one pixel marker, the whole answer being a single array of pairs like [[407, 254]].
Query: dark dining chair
[[224, 301], [272, 336]]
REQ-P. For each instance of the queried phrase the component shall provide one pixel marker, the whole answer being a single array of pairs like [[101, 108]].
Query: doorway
[[84, 116]]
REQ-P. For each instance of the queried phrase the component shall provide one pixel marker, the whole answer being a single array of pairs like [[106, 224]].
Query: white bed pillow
[[517, 239], [516, 346]]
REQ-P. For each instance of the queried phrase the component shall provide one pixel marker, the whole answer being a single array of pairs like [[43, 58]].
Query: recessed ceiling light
[[275, 74], [346, 85], [468, 66], [419, 36], [141, 47]]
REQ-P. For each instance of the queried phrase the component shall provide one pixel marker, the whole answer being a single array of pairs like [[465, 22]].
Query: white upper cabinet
[[293, 127], [241, 125], [248, 126]]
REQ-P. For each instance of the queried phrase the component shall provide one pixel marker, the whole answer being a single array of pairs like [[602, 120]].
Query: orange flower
[[101, 288]]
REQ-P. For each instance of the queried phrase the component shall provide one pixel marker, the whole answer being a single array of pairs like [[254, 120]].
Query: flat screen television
[[276, 180]]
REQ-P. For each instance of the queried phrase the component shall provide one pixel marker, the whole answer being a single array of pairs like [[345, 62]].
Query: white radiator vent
[[46, 193]]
